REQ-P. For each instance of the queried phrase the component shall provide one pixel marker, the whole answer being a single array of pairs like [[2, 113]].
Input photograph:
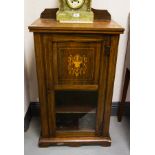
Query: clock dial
[[75, 4]]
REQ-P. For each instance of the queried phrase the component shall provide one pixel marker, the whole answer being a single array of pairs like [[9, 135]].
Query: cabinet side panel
[[104, 60], [49, 72], [110, 83], [41, 84]]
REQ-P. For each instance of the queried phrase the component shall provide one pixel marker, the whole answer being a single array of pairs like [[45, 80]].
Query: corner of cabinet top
[[98, 26]]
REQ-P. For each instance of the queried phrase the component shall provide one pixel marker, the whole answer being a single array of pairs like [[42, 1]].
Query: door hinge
[[107, 50]]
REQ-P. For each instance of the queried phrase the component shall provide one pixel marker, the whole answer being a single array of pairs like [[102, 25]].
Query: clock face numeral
[[75, 4]]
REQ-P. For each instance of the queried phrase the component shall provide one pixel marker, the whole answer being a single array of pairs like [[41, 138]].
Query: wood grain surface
[[76, 58]]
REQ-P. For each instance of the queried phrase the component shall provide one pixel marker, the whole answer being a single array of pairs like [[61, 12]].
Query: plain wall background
[[119, 10]]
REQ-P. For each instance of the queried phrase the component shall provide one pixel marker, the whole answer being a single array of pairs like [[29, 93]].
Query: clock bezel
[[75, 7]]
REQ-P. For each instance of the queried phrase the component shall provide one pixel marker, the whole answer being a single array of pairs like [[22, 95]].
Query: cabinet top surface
[[51, 25]]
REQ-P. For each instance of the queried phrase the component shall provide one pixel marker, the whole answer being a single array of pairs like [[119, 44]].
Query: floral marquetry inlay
[[77, 65]]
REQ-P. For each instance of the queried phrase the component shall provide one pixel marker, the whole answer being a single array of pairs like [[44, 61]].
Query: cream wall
[[119, 10], [26, 88]]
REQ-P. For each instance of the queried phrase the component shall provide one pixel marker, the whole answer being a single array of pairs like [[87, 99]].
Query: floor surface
[[119, 132]]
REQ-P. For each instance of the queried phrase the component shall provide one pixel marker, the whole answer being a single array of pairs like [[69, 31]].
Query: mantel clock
[[75, 11]]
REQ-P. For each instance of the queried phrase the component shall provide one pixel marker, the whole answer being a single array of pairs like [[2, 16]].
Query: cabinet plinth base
[[75, 141]]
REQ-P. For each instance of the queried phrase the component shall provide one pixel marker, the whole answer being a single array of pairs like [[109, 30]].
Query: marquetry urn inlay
[[77, 65]]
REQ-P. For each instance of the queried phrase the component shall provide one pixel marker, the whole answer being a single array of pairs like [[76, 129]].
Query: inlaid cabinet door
[[74, 61]]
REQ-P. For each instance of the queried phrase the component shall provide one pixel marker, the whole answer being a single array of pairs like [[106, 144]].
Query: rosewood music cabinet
[[75, 70]]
